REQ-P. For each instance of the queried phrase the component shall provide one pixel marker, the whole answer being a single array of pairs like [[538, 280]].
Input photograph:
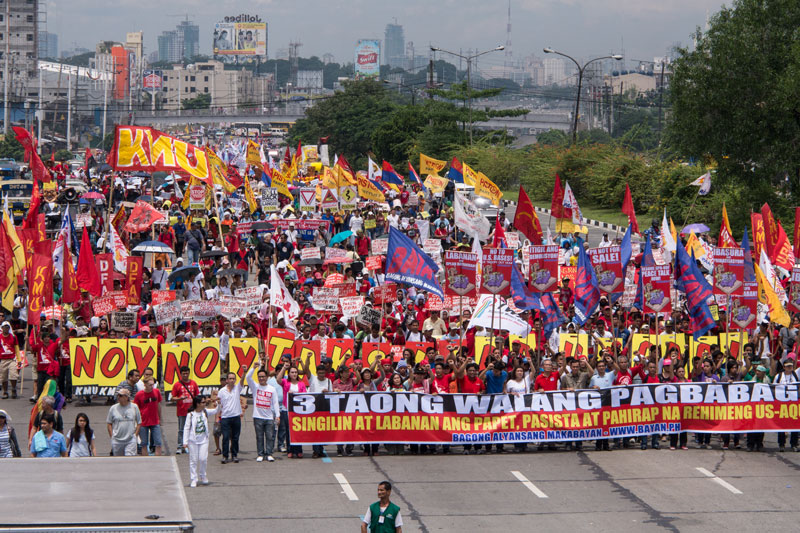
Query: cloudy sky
[[582, 28]]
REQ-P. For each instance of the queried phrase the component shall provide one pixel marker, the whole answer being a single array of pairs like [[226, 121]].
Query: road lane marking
[[719, 481], [527, 482], [348, 490]]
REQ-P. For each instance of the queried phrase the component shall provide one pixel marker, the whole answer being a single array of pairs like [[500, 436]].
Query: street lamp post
[[468, 59], [615, 57]]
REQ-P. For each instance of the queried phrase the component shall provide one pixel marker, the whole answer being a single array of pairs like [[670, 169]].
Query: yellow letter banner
[[149, 150]]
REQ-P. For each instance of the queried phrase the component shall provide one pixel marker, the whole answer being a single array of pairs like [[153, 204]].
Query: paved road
[[595, 234], [625, 490]]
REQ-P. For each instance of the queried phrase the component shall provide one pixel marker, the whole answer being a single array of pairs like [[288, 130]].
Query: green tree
[[349, 118], [201, 101], [63, 155], [10, 147], [734, 102]]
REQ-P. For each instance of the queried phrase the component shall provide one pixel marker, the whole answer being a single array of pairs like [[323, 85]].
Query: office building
[[180, 44], [48, 45], [394, 46], [23, 38]]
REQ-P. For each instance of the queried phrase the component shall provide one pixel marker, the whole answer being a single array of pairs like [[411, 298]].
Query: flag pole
[[491, 333], [690, 209]]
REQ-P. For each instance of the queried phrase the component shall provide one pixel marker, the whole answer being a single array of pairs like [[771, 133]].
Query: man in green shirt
[[383, 516]]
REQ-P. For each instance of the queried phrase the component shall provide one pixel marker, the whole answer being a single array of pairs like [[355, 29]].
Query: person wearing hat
[[124, 421], [565, 296], [9, 446], [789, 375], [8, 363]]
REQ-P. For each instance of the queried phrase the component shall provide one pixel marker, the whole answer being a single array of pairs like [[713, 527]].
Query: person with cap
[[788, 376], [9, 445], [123, 421], [383, 516], [8, 362]]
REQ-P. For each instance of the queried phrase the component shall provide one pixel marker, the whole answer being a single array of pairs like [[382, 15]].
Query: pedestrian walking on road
[[196, 432], [383, 516]]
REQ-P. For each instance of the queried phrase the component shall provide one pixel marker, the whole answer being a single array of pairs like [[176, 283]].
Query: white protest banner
[[336, 255], [351, 306], [233, 307], [380, 246], [166, 312], [491, 311], [310, 252], [325, 299], [432, 246]]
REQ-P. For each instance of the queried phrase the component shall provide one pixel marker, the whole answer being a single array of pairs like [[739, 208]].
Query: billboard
[[368, 58], [152, 80], [234, 40]]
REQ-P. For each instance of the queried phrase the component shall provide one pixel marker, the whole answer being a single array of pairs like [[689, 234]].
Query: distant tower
[[293, 62], [508, 60]]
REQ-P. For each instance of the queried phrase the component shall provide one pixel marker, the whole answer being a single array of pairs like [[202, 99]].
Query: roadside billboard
[[240, 40], [367, 58]]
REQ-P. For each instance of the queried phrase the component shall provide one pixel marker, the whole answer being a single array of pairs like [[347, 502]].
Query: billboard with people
[[240, 40]]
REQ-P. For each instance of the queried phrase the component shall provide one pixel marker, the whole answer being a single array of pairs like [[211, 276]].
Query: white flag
[[704, 182], [279, 297], [469, 219], [118, 249], [667, 242], [570, 202], [374, 169]]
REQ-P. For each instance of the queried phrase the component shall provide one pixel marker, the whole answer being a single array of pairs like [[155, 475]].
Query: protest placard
[[384, 293], [310, 252], [374, 262], [103, 305], [325, 299], [368, 316], [336, 255], [432, 246], [351, 305], [269, 199], [159, 297], [197, 197], [167, 311], [120, 298], [123, 321], [380, 246], [251, 296]]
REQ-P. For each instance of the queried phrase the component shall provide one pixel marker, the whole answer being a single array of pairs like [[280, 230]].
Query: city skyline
[[639, 31]]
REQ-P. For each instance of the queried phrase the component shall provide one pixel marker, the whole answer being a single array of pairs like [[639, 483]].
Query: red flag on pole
[[557, 204], [142, 217], [525, 219], [38, 169], [88, 277], [628, 209], [70, 293], [499, 240]]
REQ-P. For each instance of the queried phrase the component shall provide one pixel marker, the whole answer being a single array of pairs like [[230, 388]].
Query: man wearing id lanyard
[[383, 516]]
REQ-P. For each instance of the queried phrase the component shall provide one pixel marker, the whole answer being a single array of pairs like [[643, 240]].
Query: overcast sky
[[641, 28]]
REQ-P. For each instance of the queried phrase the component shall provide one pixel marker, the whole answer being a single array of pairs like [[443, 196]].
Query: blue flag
[[522, 296], [525, 299], [407, 263], [587, 294], [625, 250], [749, 271], [551, 314], [647, 261], [690, 281]]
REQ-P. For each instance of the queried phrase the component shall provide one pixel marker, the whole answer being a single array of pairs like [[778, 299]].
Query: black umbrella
[[104, 167], [311, 262], [186, 272], [213, 253], [258, 226], [230, 272]]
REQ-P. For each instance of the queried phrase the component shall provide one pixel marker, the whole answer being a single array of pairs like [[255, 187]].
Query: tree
[[11, 147], [201, 101], [63, 155], [734, 100], [349, 118]]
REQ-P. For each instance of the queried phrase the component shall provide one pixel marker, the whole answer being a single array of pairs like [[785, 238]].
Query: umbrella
[[104, 167], [213, 253], [339, 237], [230, 272], [311, 262], [697, 228], [93, 195], [156, 247], [184, 273], [258, 226]]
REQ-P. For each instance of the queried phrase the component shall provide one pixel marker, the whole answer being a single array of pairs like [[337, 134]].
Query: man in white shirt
[[394, 219], [316, 384], [230, 413], [159, 277], [265, 412]]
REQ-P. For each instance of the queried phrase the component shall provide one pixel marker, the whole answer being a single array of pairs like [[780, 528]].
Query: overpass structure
[[529, 124]]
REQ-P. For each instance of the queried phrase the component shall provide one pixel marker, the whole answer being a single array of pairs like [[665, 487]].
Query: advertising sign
[[237, 40], [152, 80], [367, 58]]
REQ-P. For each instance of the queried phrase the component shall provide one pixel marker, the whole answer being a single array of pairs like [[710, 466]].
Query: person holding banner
[[293, 385]]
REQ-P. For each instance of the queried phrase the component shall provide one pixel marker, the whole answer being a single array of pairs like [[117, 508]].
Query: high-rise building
[[394, 46], [24, 36], [555, 72], [48, 45], [180, 44]]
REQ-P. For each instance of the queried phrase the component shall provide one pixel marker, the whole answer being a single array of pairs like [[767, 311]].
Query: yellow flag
[[328, 178], [345, 178], [219, 171], [470, 176], [11, 292], [673, 231], [253, 157], [248, 194], [693, 244], [16, 244], [766, 295], [368, 191], [429, 165], [279, 182], [436, 184], [488, 189]]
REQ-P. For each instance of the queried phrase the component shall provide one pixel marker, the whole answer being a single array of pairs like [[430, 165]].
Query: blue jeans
[[193, 255], [265, 436], [150, 435], [283, 430], [231, 427]]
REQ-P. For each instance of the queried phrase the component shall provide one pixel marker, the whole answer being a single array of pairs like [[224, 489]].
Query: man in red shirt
[[548, 379], [470, 384], [8, 363], [149, 402], [183, 392], [47, 364]]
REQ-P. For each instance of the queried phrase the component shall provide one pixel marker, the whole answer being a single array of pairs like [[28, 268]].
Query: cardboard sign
[[656, 291], [269, 199], [384, 293], [166, 312], [325, 299], [103, 305], [729, 271], [197, 197], [380, 246], [543, 267], [496, 271], [368, 316], [336, 255], [607, 267], [120, 299], [350, 306], [374, 262], [432, 246], [159, 297], [252, 297], [123, 321], [461, 273]]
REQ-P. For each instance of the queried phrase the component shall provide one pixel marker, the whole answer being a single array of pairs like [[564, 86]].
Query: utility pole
[[430, 79], [660, 97], [69, 111], [5, 67], [105, 103], [40, 115]]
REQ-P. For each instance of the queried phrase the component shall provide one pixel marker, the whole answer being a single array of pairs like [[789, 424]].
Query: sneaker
[[724, 447], [235, 459], [684, 447], [643, 446], [656, 446], [291, 456], [204, 482], [270, 459], [782, 449], [339, 453], [260, 459], [193, 484], [224, 460], [703, 446], [672, 447], [179, 451], [795, 449]]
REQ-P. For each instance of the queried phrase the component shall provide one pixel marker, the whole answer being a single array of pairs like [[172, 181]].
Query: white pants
[[198, 460]]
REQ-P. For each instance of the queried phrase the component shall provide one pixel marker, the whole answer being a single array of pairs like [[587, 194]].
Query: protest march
[[340, 307]]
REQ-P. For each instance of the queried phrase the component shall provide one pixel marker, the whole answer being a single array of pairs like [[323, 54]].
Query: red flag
[[40, 286], [233, 176], [133, 280], [757, 222], [628, 209], [88, 277], [782, 255], [142, 217], [557, 204], [726, 239], [287, 157], [38, 169], [525, 219], [771, 235], [70, 293], [6, 260], [499, 240], [89, 161], [33, 208], [796, 240], [298, 155]]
